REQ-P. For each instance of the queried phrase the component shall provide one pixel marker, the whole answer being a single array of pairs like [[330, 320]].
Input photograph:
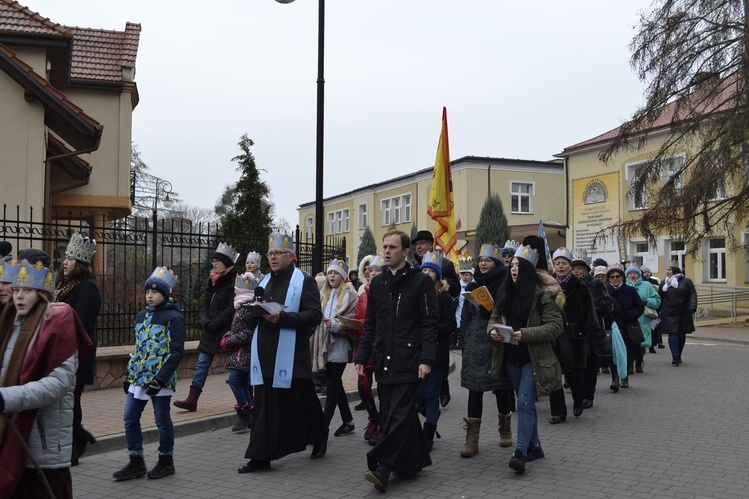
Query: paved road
[[676, 433]]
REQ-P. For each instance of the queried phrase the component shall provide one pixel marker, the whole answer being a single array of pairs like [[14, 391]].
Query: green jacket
[[545, 323]]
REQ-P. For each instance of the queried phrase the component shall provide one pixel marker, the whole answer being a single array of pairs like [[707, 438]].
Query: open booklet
[[258, 309], [350, 323], [480, 297], [506, 332]]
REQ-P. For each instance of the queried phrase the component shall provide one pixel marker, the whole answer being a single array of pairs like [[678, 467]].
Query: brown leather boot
[[505, 430], [191, 402], [473, 428]]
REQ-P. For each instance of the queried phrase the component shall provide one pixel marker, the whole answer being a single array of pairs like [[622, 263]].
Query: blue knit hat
[[432, 261], [632, 269], [162, 280]]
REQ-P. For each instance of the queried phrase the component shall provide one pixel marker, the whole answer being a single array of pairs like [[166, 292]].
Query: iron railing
[[124, 261]]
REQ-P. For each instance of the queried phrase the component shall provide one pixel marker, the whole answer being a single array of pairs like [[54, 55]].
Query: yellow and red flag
[[440, 207]]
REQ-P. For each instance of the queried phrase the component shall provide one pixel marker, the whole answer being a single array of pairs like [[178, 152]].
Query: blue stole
[[286, 339]]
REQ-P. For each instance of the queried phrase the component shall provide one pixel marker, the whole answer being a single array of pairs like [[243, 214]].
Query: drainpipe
[[488, 181]]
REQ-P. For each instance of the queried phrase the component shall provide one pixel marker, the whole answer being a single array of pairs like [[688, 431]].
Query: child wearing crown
[[40, 345], [152, 375], [237, 342]]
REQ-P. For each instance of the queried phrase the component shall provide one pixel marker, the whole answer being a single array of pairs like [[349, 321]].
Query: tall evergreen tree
[[492, 226], [244, 208], [368, 245]]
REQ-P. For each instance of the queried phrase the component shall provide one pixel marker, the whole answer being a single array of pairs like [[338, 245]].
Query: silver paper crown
[[81, 248], [226, 249], [465, 264], [580, 255], [510, 246], [35, 276]]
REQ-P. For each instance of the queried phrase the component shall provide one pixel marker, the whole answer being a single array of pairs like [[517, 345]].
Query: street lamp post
[[317, 253], [166, 187]]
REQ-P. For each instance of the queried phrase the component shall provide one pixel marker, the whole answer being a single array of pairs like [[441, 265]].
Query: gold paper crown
[[340, 264], [378, 261], [228, 251], [489, 249], [246, 281], [527, 253], [562, 252], [81, 248], [8, 271], [280, 240], [465, 264], [254, 256], [34, 276], [165, 275]]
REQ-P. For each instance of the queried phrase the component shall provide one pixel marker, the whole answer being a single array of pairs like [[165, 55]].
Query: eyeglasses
[[485, 260], [272, 254]]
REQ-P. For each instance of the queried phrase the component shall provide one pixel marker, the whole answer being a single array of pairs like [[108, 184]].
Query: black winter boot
[[164, 467], [429, 431], [614, 381], [136, 468]]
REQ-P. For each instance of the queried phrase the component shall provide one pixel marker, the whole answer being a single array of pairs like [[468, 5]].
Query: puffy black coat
[[400, 330], [582, 322], [218, 311], [678, 305], [477, 346], [628, 307], [85, 299]]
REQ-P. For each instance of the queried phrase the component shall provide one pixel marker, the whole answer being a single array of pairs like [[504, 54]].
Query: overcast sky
[[519, 80]]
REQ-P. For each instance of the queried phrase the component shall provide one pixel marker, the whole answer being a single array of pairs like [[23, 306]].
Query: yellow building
[[600, 197], [530, 191]]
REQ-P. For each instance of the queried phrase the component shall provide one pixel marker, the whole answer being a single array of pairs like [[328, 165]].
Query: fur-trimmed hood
[[364, 262], [550, 286]]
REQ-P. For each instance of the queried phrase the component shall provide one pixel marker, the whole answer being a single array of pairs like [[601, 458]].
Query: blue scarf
[[286, 339]]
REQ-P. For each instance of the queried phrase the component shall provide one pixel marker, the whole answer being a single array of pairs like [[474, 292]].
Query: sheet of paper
[[506, 332], [263, 308]]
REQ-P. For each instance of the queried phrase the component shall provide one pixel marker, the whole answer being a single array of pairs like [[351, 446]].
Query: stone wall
[[111, 365]]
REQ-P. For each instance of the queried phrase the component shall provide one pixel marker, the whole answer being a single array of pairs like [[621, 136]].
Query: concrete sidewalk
[[103, 409]]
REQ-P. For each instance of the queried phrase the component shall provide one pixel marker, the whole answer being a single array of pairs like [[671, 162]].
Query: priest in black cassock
[[287, 415]]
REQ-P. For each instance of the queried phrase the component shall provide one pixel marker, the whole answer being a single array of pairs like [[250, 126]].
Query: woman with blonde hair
[[333, 343]]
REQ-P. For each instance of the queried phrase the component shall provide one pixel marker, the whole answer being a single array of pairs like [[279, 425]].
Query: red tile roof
[[15, 18], [97, 54], [101, 54]]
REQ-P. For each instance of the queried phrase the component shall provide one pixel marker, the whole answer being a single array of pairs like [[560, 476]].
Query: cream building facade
[[530, 191], [600, 196]]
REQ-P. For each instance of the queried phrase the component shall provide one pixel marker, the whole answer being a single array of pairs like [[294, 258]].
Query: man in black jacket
[[400, 333]]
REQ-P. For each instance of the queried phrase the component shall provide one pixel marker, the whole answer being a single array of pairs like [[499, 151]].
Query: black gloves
[[153, 388], [125, 387], [2, 403]]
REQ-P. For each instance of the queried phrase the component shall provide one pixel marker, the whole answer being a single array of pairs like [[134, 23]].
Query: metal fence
[[125, 253]]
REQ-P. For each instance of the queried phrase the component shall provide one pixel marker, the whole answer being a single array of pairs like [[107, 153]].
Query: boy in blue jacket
[[152, 375]]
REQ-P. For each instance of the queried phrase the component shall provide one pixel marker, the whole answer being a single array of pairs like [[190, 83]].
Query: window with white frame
[[634, 172], [671, 169], [716, 259], [719, 191], [522, 197], [385, 212], [309, 228], [338, 221], [396, 210], [395, 204], [676, 252], [639, 249], [363, 219], [406, 208]]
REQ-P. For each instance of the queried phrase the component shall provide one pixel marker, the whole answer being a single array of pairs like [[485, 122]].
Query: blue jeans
[[428, 395], [201, 370], [133, 410], [525, 387], [239, 384]]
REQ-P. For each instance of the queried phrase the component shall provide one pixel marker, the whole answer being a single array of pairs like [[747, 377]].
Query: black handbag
[[634, 333]]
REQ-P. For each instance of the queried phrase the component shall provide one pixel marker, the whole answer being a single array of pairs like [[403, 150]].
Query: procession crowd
[[526, 325]]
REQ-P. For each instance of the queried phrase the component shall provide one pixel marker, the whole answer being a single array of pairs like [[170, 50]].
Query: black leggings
[[476, 402]]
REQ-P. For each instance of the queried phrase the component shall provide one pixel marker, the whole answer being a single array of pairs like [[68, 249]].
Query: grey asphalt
[[677, 432]]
